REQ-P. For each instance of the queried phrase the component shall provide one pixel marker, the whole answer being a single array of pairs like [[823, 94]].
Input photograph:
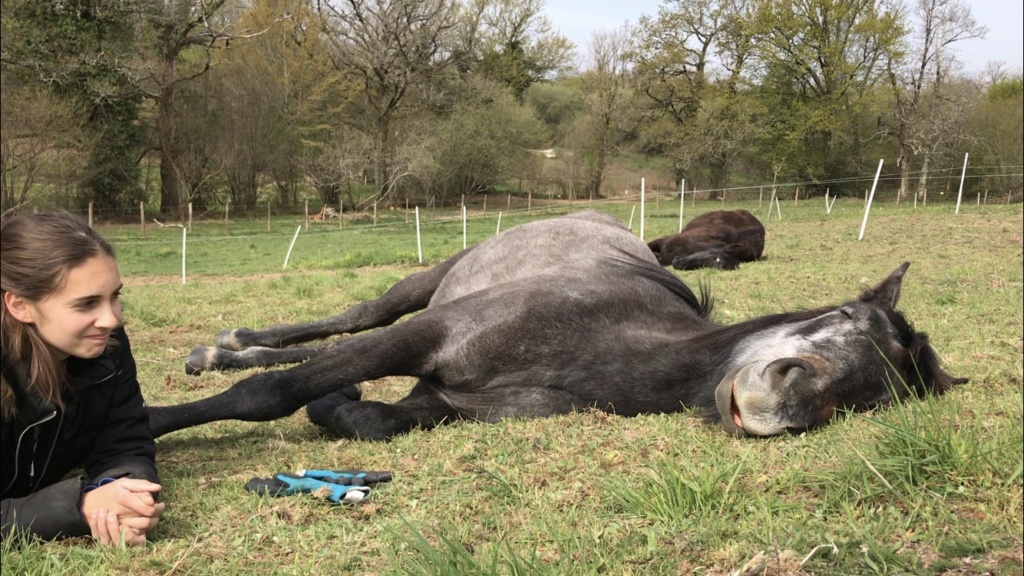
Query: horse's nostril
[[786, 372]]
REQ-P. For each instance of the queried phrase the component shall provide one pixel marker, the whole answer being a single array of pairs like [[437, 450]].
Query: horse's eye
[[846, 311]]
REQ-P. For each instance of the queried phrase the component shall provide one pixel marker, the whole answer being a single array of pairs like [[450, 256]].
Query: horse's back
[[731, 227], [738, 218], [573, 246]]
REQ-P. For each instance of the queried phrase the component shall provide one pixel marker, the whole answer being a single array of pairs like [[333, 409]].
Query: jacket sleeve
[[124, 447], [48, 513]]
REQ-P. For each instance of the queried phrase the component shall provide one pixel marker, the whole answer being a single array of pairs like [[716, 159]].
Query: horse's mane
[[725, 335], [702, 305]]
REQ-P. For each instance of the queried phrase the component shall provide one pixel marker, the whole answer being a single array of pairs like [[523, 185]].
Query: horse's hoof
[[198, 361], [322, 409], [229, 340], [353, 392]]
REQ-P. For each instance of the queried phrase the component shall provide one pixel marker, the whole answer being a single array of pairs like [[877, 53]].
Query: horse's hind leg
[[406, 296], [371, 420]]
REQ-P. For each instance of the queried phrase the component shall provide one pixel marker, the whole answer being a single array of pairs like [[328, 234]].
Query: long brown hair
[[37, 252]]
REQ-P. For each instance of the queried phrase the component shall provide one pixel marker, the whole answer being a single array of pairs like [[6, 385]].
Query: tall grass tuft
[[932, 445], [451, 557], [677, 490]]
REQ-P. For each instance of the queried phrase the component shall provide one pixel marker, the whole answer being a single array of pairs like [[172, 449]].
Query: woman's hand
[[123, 507], [108, 530]]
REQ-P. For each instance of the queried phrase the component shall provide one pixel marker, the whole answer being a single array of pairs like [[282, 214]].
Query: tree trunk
[[169, 200], [922, 185], [904, 163], [380, 159], [169, 197], [601, 153], [598, 177]]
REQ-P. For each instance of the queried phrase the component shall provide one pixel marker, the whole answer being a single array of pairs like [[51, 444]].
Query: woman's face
[[77, 319]]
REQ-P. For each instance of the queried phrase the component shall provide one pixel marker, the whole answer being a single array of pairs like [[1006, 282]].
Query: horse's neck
[[738, 343], [709, 351]]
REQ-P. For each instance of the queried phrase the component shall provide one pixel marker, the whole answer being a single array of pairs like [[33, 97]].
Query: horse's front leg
[[204, 358], [406, 296]]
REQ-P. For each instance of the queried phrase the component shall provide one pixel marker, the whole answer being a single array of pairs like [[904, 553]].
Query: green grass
[[925, 487]]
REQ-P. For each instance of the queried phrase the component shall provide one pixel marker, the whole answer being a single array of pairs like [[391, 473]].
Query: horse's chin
[[725, 401]]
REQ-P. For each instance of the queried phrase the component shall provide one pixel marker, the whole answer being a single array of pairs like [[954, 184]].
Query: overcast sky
[[579, 19]]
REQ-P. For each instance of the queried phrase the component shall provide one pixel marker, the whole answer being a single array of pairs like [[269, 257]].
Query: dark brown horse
[[520, 327], [720, 239]]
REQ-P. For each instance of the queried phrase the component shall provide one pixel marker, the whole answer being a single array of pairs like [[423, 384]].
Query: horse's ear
[[887, 293]]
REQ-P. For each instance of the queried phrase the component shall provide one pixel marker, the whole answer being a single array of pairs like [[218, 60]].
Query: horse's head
[[710, 258], [795, 372]]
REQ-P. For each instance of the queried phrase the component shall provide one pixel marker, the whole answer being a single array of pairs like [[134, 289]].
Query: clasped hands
[[124, 508]]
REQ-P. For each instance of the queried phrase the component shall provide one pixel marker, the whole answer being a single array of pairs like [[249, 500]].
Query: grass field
[[932, 487]]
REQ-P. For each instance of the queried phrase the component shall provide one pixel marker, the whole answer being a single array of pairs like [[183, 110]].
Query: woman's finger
[[139, 503], [140, 523], [112, 528], [139, 485], [99, 527], [94, 529], [133, 536]]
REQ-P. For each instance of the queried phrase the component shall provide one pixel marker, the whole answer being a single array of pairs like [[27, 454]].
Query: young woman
[[69, 396]]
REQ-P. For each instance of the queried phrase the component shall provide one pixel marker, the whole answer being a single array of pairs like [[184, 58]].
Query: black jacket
[[104, 430]]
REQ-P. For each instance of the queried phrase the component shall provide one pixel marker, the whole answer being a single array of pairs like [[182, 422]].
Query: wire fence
[[259, 239], [984, 185]]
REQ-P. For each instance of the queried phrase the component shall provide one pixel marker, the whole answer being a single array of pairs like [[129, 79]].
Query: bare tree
[[387, 47], [605, 85], [275, 94], [920, 98], [690, 62], [180, 25], [943, 132], [998, 122], [37, 136], [187, 33]]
